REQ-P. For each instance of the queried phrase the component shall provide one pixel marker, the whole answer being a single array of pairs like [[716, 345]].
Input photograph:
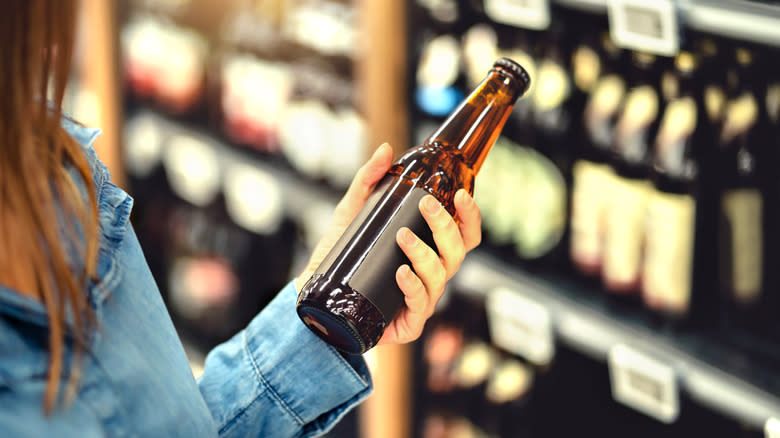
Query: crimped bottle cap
[[516, 70]]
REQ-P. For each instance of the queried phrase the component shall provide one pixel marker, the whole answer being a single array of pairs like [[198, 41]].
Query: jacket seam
[[238, 415], [274, 394]]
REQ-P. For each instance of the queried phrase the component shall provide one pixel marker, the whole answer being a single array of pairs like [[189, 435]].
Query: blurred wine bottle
[[631, 161], [743, 143], [676, 232], [507, 399], [591, 173], [541, 236], [771, 186], [251, 80], [166, 50]]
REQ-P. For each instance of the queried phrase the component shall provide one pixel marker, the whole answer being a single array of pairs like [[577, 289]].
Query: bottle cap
[[517, 71]]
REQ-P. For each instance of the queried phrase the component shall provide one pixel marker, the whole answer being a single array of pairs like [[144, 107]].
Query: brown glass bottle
[[353, 295]]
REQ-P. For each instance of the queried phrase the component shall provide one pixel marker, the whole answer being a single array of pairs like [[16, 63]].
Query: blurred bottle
[[504, 176], [252, 82], [523, 46], [508, 398], [333, 146], [437, 86], [743, 143], [771, 186], [541, 232], [472, 370], [166, 48], [631, 159], [674, 208], [226, 216], [252, 94], [591, 173], [531, 162]]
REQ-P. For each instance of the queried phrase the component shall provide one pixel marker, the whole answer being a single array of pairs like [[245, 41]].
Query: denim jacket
[[273, 379]]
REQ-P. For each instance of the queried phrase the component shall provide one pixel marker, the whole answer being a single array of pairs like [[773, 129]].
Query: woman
[[88, 348]]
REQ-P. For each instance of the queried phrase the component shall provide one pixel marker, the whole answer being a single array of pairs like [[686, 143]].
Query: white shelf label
[[772, 428], [650, 26], [529, 14], [644, 383], [520, 325]]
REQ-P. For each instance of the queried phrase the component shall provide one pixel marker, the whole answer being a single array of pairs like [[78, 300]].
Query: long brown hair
[[43, 214]]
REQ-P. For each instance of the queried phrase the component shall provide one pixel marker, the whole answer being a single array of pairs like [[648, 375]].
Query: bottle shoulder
[[440, 170]]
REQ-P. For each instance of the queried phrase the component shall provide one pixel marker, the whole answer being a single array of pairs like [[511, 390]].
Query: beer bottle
[[631, 159], [353, 295], [742, 143], [677, 224], [591, 173]]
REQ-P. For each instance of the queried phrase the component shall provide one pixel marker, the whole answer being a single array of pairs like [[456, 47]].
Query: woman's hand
[[422, 283]]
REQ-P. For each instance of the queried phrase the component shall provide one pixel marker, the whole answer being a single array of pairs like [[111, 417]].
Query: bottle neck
[[474, 126]]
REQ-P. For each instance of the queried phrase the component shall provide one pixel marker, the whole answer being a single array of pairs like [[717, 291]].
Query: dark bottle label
[[367, 256], [742, 209], [668, 263]]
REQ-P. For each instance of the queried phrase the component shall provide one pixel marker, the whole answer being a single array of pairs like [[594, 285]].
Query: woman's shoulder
[[85, 136], [114, 204]]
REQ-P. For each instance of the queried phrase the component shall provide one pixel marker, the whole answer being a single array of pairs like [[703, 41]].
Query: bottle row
[[647, 177], [266, 76], [468, 386]]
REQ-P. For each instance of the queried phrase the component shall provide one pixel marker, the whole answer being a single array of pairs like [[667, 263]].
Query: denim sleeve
[[277, 379]]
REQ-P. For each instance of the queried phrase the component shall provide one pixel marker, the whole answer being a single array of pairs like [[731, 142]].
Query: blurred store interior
[[628, 282]]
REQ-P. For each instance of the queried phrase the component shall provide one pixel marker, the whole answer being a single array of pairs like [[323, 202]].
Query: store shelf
[[747, 20], [712, 373], [299, 194]]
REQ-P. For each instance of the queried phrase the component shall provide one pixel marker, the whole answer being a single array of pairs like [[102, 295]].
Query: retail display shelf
[[749, 20], [299, 194], [714, 374]]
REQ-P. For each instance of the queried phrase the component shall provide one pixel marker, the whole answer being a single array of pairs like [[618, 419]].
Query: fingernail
[[431, 205], [464, 196], [405, 270], [379, 149], [406, 236]]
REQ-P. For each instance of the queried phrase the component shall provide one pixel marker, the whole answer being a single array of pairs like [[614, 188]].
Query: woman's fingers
[[446, 234], [423, 285], [427, 266], [410, 321], [470, 219]]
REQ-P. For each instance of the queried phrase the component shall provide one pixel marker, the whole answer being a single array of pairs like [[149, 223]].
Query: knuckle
[[449, 226], [431, 309], [478, 238], [439, 275], [458, 260], [417, 331]]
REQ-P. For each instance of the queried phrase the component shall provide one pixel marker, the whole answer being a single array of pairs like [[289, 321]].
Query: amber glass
[[353, 295]]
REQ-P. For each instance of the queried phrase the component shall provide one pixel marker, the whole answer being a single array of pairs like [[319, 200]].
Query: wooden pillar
[[381, 74], [100, 75]]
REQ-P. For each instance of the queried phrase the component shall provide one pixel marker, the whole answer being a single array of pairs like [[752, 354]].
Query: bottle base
[[333, 329], [340, 316]]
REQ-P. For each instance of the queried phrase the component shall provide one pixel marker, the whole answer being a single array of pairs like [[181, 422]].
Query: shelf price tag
[[772, 428], [520, 325], [528, 14], [643, 25], [643, 383]]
